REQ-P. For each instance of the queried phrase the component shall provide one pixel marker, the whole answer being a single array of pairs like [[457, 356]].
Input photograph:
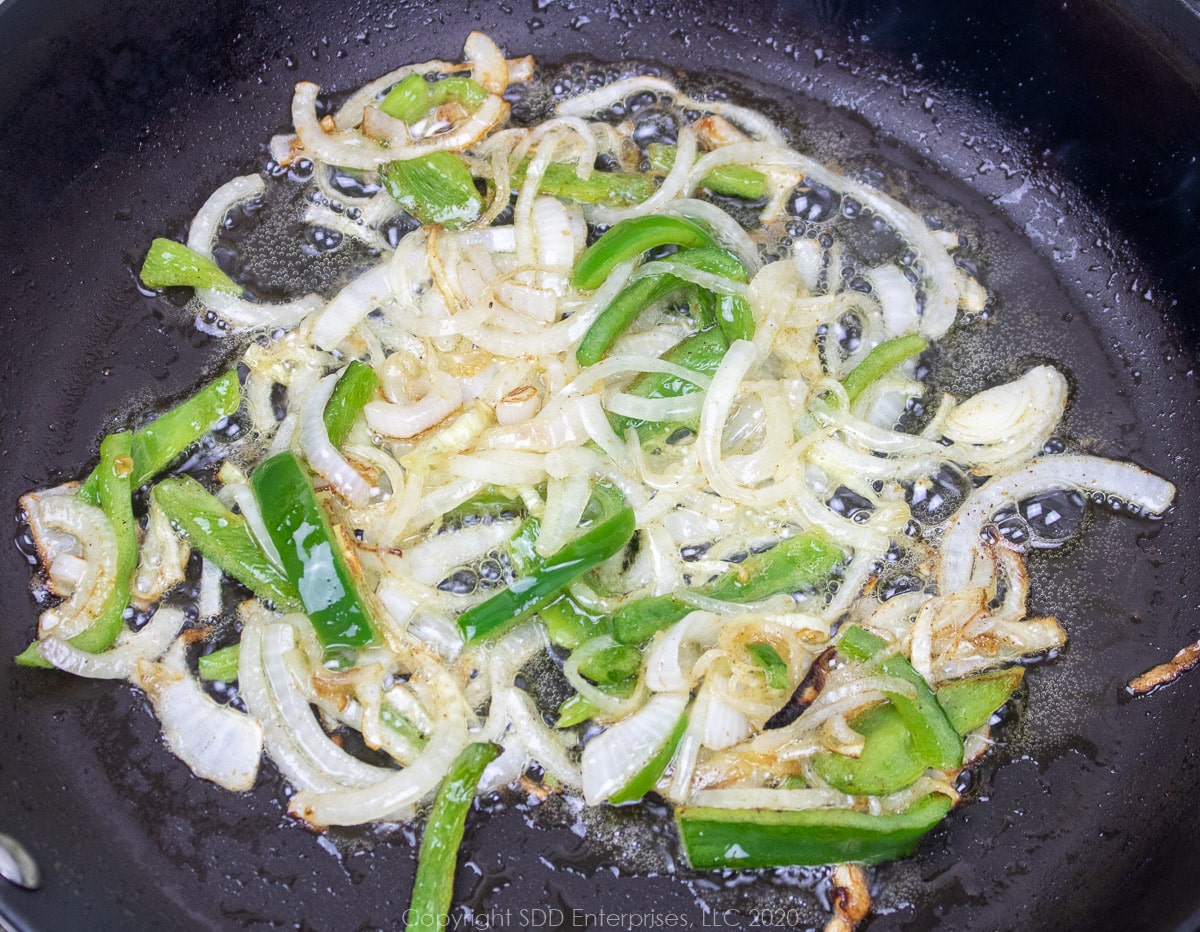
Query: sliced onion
[[321, 454], [208, 601], [724, 726], [278, 735], [897, 299], [217, 742], [66, 518], [774, 800], [162, 563], [709, 281], [488, 67], [616, 756], [306, 733], [672, 185], [394, 796], [202, 236], [408, 420], [517, 406], [965, 563], [120, 661], [728, 232], [350, 305], [566, 498], [500, 468], [433, 558], [1014, 419], [675, 652]]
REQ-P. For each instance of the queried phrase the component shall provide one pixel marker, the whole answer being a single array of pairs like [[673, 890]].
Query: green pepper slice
[[625, 308], [224, 538], [767, 659], [934, 738], [631, 238], [794, 564], [436, 188], [166, 438], [413, 98], [173, 265], [730, 180], [880, 361], [970, 702], [114, 489], [433, 888], [547, 578], [612, 189], [750, 838], [702, 352], [221, 666], [647, 778], [312, 559], [354, 388]]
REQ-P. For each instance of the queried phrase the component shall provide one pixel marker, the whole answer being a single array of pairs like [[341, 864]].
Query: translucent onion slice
[[65, 518], [350, 305], [217, 742], [394, 796], [674, 653], [616, 756], [202, 236], [120, 661], [278, 639], [965, 562]]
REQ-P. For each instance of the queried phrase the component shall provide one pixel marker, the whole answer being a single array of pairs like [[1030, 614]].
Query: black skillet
[[1070, 130]]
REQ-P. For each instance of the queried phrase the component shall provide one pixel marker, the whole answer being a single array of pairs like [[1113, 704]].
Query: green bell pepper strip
[[224, 538], [767, 659], [311, 555], [492, 502], [880, 361], [437, 188], [569, 624], [355, 387], [934, 738], [612, 665], [625, 308], [522, 549], [889, 762], [629, 239], [221, 666], [170, 264], [546, 579], [612, 189], [162, 441], [753, 838], [972, 701], [575, 709], [647, 778], [433, 888], [702, 352], [114, 490], [730, 180], [411, 99], [794, 564]]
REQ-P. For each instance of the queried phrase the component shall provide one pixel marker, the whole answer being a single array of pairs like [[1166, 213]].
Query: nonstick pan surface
[[1064, 136]]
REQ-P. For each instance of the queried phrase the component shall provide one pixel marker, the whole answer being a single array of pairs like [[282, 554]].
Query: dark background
[[1075, 123]]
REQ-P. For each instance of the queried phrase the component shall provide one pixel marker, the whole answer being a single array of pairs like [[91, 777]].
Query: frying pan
[[1066, 135]]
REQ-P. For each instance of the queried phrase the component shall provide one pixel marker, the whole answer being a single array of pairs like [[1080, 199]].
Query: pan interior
[[1089, 784]]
